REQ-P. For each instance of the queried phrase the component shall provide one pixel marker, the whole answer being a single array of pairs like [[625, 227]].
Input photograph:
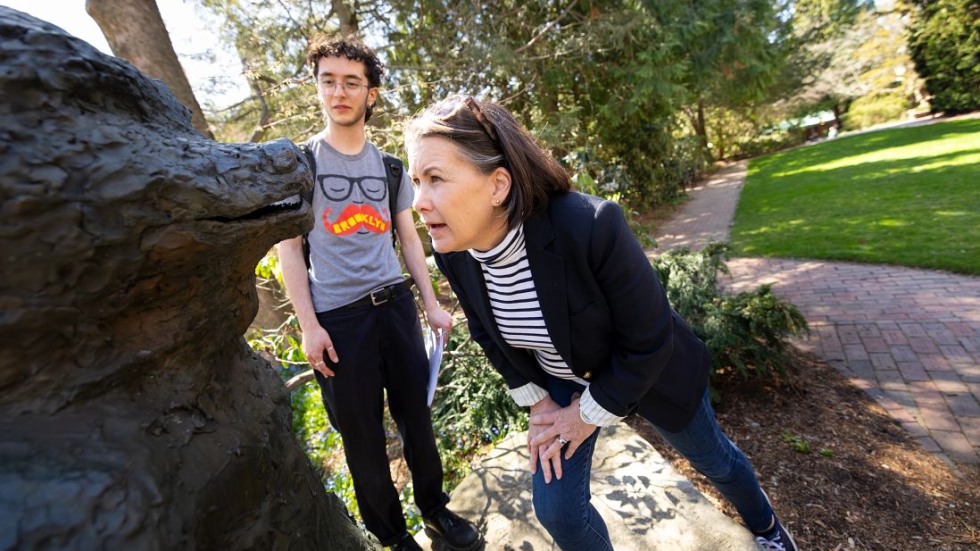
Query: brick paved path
[[910, 338]]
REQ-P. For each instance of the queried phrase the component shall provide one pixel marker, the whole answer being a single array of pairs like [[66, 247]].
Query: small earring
[[496, 202]]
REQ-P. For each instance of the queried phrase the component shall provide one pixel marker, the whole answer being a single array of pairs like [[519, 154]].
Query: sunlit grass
[[906, 196]]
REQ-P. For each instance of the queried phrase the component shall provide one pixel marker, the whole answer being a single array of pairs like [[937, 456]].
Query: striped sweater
[[515, 306]]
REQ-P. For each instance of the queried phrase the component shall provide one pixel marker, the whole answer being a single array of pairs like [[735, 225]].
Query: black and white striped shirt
[[515, 306], [514, 302]]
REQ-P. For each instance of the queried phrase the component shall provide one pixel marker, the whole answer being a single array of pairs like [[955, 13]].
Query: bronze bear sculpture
[[133, 415]]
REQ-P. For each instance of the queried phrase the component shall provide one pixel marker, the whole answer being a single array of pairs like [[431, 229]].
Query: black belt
[[380, 295]]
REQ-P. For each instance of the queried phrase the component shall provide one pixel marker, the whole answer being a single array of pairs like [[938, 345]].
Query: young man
[[361, 331]]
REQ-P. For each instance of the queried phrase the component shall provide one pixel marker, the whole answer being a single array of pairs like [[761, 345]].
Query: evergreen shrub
[[746, 332], [875, 109], [472, 408]]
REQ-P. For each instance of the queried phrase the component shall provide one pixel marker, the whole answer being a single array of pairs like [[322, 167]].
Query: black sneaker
[[407, 543], [455, 532], [779, 539]]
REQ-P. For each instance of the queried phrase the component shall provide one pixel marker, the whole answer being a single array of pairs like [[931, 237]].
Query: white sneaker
[[778, 540]]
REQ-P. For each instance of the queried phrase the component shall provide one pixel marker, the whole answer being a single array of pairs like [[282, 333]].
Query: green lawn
[[908, 196]]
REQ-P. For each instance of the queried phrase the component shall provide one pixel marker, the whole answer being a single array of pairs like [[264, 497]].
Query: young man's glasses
[[329, 85]]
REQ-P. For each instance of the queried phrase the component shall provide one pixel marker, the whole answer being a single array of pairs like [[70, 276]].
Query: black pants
[[381, 349]]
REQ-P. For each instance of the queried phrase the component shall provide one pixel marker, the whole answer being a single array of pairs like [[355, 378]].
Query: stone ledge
[[645, 503]]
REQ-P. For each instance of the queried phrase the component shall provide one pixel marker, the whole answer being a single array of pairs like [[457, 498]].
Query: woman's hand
[[552, 427], [544, 407]]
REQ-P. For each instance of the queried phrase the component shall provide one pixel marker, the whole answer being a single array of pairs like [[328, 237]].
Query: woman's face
[[458, 204]]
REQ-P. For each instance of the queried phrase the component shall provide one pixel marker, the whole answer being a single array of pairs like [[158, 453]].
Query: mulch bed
[[841, 472]]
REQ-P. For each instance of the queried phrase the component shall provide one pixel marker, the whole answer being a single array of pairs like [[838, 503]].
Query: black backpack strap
[[308, 197], [311, 163], [393, 171]]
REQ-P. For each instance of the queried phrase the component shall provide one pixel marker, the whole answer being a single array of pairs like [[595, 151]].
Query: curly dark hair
[[353, 49]]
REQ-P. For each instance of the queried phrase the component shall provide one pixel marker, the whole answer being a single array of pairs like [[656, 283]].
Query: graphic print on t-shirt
[[359, 216]]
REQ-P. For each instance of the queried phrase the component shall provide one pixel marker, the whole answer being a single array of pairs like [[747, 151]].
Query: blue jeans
[[564, 506], [709, 451]]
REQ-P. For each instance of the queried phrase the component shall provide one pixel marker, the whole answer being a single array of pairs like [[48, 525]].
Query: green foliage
[[596, 178], [268, 267], [800, 444], [797, 442], [641, 86], [846, 52], [472, 407], [734, 51], [613, 78], [945, 43], [875, 109], [746, 333], [749, 132], [768, 140], [818, 20], [691, 278], [271, 37], [585, 77], [321, 443], [904, 196], [283, 344]]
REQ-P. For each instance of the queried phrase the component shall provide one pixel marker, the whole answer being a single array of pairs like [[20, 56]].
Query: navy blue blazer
[[605, 309]]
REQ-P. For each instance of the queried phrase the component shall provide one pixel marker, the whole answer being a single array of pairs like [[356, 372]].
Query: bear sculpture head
[[132, 413]]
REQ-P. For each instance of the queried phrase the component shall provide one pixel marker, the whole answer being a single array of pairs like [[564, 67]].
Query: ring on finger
[[561, 440]]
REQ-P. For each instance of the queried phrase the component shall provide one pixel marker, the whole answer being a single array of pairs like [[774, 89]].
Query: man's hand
[[316, 342], [554, 426], [440, 319]]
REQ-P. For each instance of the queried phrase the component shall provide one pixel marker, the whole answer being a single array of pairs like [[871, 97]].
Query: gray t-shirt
[[351, 251]]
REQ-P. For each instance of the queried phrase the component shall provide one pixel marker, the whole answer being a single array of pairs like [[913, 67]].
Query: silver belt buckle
[[383, 293]]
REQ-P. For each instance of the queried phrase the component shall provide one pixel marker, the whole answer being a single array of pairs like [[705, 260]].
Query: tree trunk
[[837, 114], [259, 96], [700, 128], [346, 16], [136, 32]]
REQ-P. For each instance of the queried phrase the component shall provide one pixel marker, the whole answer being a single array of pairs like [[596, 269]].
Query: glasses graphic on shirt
[[338, 187]]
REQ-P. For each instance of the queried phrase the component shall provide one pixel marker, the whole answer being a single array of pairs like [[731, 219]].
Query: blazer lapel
[[471, 277], [548, 271]]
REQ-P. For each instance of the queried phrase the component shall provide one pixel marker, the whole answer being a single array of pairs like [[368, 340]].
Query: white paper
[[433, 347]]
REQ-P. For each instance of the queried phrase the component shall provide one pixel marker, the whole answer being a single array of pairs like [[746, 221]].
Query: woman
[[567, 307]]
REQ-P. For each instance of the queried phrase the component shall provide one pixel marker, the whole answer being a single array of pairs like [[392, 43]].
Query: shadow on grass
[[860, 144], [919, 211]]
